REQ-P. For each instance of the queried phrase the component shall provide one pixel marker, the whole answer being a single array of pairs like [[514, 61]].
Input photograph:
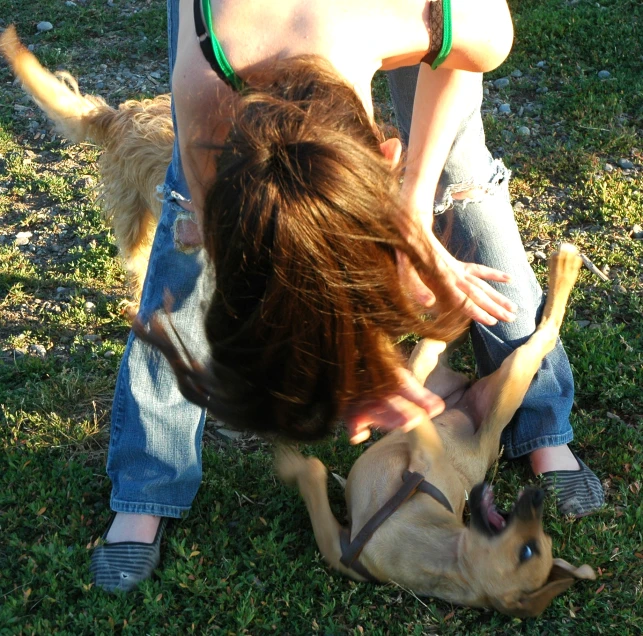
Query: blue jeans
[[484, 231], [154, 459]]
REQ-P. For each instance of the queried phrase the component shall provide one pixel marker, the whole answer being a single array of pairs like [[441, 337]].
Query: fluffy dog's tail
[[136, 139], [74, 114]]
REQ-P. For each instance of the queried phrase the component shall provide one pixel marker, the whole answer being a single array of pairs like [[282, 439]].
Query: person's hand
[[458, 284], [408, 407]]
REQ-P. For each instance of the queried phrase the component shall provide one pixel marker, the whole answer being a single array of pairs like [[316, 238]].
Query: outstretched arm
[[441, 101]]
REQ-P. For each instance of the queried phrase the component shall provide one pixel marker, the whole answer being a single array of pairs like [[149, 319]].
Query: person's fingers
[[490, 300], [484, 305], [488, 273], [395, 411], [495, 295], [410, 389]]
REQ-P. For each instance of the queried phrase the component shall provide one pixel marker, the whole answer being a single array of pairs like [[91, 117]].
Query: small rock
[[541, 64], [541, 256], [31, 47], [69, 3], [583, 323], [604, 74], [100, 85], [44, 26], [523, 131], [595, 325], [90, 307], [637, 232], [503, 82], [608, 167], [516, 73], [91, 337], [542, 90], [485, 92], [519, 206], [22, 238], [504, 109], [626, 164], [38, 349], [155, 75], [507, 135], [109, 354]]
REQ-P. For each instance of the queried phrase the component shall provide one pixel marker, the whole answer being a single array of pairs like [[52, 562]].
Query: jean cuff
[[158, 510], [518, 450]]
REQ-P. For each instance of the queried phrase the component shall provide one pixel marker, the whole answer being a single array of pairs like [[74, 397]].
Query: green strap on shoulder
[[224, 65], [447, 36]]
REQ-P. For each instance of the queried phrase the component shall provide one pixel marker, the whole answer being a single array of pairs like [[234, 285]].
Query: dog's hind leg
[[498, 396], [424, 440], [310, 477]]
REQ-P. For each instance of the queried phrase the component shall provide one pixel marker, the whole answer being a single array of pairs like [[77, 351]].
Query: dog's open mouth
[[485, 516]]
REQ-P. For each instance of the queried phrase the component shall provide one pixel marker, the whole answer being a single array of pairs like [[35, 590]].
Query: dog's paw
[[566, 261], [291, 465]]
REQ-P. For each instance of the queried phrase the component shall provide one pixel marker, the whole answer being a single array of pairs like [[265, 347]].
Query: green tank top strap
[[222, 60]]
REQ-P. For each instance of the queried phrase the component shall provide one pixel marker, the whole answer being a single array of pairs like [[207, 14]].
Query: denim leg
[[483, 230], [154, 458]]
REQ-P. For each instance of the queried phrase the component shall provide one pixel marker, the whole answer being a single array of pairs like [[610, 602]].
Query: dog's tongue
[[494, 517]]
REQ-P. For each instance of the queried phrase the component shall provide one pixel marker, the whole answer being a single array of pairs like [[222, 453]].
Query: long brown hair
[[301, 225]]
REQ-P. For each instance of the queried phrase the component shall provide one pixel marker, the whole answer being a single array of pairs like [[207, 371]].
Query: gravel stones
[[504, 109], [503, 82], [524, 131], [604, 75], [44, 26], [626, 164], [637, 232]]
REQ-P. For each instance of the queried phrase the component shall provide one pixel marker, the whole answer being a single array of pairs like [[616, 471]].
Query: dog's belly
[[377, 475]]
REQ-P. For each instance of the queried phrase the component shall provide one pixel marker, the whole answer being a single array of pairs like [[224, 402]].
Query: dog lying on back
[[136, 139], [406, 493]]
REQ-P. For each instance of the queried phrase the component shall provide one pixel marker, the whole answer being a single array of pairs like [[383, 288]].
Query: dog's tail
[[74, 114]]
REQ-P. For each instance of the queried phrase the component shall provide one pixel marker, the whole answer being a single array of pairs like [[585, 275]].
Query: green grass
[[245, 560]]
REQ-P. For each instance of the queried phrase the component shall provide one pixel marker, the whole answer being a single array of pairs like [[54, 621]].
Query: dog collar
[[413, 482]]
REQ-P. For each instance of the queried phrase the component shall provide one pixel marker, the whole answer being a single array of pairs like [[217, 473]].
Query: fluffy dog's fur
[[136, 139]]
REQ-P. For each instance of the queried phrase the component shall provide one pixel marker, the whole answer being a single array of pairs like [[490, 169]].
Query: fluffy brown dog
[[137, 141], [418, 539]]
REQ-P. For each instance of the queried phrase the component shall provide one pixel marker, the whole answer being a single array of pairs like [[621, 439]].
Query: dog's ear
[[561, 576]]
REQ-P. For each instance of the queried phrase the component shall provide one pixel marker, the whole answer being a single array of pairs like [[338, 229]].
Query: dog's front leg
[[498, 396]]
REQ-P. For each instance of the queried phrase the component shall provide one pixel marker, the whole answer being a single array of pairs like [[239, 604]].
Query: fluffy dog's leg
[[499, 395], [310, 477]]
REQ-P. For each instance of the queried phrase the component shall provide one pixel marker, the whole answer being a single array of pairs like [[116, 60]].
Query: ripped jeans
[[483, 230], [154, 459]]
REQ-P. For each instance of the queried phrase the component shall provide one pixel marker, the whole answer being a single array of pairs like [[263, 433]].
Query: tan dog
[[137, 141], [420, 541]]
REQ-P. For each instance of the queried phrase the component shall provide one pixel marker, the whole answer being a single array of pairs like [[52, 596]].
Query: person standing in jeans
[[154, 459]]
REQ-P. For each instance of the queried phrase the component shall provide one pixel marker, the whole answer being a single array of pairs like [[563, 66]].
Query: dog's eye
[[527, 551]]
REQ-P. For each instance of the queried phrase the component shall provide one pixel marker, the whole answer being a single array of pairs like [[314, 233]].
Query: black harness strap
[[352, 549]]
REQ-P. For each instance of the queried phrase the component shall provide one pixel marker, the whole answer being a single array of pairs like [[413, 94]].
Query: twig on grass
[[592, 268]]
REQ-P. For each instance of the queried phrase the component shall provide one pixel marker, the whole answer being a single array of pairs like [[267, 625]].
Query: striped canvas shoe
[[122, 566], [578, 492]]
